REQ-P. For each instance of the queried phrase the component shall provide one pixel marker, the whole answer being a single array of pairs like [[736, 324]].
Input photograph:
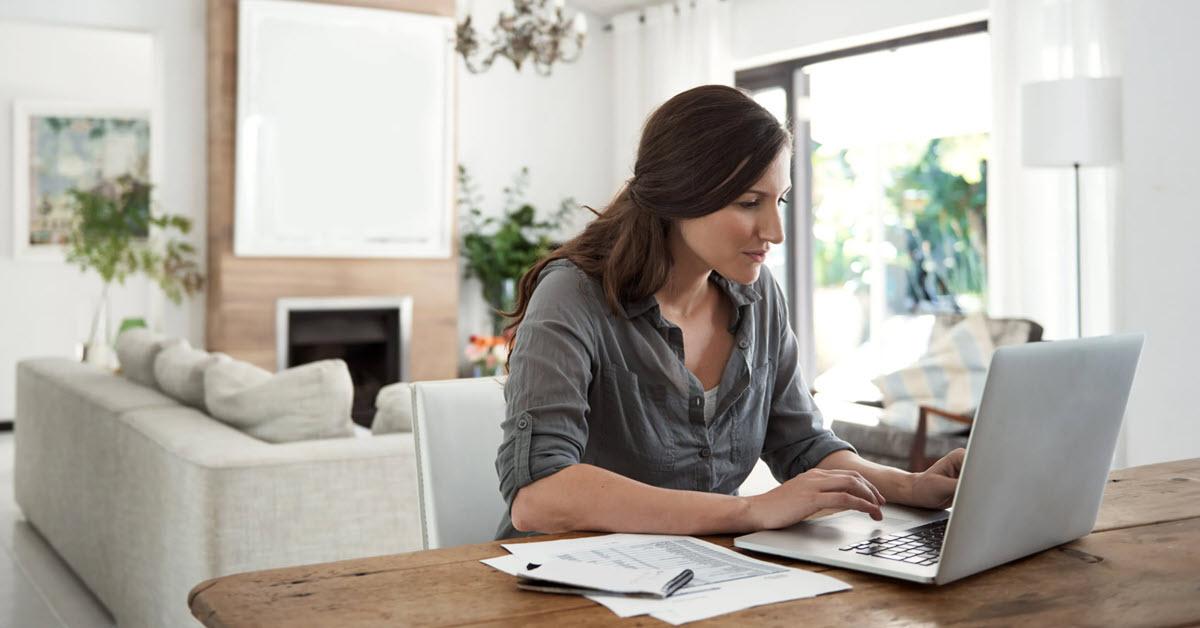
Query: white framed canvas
[[344, 132], [63, 146]]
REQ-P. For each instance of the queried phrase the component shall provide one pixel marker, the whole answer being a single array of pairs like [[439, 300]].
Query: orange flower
[[485, 350]]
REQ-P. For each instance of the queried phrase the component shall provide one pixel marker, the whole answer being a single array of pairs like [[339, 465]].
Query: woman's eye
[[755, 203]]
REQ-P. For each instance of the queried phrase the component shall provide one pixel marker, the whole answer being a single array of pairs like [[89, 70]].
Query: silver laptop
[[1035, 470]]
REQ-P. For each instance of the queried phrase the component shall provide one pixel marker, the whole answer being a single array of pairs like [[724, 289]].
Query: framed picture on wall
[[344, 132], [60, 147]]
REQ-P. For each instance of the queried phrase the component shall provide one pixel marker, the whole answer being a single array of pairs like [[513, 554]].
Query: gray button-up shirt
[[589, 386]]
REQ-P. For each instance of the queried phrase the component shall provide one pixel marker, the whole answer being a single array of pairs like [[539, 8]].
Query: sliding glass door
[[891, 154]]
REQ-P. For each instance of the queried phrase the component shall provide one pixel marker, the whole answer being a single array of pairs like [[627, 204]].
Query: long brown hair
[[699, 151]]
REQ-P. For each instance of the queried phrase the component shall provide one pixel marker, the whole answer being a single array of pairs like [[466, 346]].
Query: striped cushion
[[949, 376]]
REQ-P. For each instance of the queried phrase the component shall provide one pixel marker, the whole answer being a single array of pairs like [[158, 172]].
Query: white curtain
[[1031, 211], [659, 51]]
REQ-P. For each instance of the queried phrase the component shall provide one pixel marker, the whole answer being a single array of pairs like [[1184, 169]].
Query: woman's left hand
[[934, 487]]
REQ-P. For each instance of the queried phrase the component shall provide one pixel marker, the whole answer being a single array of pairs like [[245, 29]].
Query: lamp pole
[[1079, 263]]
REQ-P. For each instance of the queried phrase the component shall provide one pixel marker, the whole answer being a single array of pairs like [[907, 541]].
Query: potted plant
[[114, 233], [499, 249]]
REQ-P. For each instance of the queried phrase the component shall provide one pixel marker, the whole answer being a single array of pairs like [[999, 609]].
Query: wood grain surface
[[242, 291], [1140, 567]]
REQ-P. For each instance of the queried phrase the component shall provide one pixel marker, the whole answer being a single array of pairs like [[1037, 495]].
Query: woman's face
[[734, 240]]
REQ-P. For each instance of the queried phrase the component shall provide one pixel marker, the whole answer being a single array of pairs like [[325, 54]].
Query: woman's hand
[[934, 487], [811, 491]]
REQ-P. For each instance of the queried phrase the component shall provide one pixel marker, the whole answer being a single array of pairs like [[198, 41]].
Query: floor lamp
[[1072, 122]]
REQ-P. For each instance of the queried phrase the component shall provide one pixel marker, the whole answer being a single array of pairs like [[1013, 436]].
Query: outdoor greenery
[[934, 220], [943, 230], [109, 234], [839, 251], [500, 248]]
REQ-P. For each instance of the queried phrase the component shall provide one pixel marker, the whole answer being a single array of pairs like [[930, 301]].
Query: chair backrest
[[1004, 331], [456, 427]]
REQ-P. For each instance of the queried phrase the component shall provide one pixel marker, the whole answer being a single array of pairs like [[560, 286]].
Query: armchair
[[917, 449]]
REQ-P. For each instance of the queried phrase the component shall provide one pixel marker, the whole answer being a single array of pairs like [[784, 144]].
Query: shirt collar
[[739, 294]]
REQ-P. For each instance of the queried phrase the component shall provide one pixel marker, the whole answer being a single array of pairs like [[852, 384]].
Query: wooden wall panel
[[242, 291]]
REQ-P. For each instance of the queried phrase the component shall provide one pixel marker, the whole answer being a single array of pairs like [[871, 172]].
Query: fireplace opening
[[368, 334]]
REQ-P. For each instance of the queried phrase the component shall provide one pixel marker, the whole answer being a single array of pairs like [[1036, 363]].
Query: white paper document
[[725, 581], [573, 576], [510, 564]]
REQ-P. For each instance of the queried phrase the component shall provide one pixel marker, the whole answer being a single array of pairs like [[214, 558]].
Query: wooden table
[[1140, 566]]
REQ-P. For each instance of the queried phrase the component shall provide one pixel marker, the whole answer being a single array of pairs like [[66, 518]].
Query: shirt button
[[743, 344], [706, 452], [522, 424], [698, 401]]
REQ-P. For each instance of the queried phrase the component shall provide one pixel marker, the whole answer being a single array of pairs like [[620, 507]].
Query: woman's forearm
[[586, 497], [893, 483]]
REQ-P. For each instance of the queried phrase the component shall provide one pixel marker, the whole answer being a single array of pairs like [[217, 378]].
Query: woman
[[653, 362]]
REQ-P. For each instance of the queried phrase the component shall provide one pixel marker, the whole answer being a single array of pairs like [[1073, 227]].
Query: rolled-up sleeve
[[796, 436], [550, 372]]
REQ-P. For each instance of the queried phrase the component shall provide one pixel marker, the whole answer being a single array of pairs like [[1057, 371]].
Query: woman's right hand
[[812, 491]]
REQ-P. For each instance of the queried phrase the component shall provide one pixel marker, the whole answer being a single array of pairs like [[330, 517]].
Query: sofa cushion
[[950, 377], [393, 409], [179, 372], [136, 350], [306, 402]]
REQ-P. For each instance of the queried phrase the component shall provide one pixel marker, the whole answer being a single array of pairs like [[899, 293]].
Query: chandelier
[[535, 31]]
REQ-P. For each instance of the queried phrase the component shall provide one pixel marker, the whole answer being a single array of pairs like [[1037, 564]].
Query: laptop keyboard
[[918, 546]]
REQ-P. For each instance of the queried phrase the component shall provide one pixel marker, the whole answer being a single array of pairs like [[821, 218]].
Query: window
[[774, 99], [893, 142]]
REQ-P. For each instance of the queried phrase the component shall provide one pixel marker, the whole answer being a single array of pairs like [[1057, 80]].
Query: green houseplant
[[115, 233], [499, 249]]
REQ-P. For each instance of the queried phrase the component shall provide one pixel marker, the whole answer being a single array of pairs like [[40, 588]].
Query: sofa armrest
[[218, 502], [891, 445], [918, 459]]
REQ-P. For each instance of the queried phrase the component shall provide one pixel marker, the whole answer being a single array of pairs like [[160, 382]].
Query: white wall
[[53, 302], [766, 31], [1158, 281], [47, 305], [178, 123], [559, 126]]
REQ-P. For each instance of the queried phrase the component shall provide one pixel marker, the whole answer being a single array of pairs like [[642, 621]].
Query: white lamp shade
[[1071, 121]]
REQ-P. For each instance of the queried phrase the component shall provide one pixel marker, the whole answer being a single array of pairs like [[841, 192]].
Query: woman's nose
[[771, 228]]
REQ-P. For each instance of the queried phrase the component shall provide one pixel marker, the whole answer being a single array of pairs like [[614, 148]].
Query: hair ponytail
[[625, 247]]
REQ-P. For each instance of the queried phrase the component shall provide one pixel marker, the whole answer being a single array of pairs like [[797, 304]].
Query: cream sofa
[[145, 497]]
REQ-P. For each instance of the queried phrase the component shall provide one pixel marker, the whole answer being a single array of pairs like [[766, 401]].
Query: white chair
[[456, 428]]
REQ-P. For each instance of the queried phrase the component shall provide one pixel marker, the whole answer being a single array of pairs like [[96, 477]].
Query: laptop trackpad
[[853, 524]]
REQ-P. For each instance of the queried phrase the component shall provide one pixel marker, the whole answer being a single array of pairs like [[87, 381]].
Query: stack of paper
[[572, 576], [724, 580]]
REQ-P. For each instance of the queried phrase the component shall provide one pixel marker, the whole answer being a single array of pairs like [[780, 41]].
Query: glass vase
[[501, 296], [98, 351]]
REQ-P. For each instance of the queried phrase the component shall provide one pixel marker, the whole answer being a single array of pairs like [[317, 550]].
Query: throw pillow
[[179, 371], [950, 376], [306, 402], [136, 350], [393, 409]]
